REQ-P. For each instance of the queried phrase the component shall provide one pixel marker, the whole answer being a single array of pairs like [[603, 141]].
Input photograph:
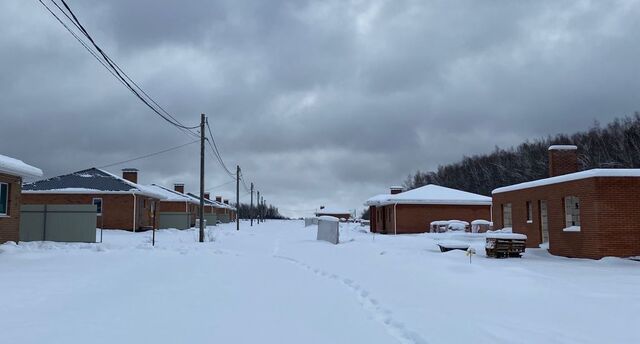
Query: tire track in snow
[[395, 328]]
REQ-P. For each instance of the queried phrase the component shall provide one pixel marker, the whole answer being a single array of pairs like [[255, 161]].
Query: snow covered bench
[[504, 244]]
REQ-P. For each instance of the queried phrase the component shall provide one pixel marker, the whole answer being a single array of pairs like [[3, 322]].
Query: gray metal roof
[[91, 180]]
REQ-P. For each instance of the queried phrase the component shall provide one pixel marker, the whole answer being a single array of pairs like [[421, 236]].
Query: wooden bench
[[505, 247]]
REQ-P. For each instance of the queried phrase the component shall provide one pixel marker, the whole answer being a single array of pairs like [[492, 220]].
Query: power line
[[223, 184], [113, 68], [149, 155], [216, 151]]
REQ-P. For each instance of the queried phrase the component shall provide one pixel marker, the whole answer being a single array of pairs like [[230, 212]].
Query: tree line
[[270, 212], [616, 145]]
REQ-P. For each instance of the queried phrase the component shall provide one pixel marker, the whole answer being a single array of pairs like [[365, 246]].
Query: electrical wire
[[113, 68], [149, 155]]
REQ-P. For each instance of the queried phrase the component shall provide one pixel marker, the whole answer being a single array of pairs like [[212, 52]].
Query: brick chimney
[[321, 207], [178, 187], [226, 201], [219, 199], [130, 174], [396, 189], [206, 195], [563, 159]]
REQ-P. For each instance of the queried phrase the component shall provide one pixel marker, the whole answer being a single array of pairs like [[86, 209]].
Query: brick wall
[[10, 224], [562, 161], [415, 218], [117, 209], [609, 216]]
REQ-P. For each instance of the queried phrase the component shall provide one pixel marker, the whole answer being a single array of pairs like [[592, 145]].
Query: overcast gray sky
[[320, 102]]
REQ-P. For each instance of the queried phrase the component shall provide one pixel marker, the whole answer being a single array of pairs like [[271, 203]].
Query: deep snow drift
[[274, 283]]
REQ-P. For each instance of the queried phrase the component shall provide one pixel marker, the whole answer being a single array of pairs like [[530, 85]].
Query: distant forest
[[270, 211], [617, 145]]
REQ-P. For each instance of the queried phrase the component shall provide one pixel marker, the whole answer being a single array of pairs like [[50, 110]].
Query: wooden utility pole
[[202, 119], [251, 206], [264, 210], [237, 197], [258, 208]]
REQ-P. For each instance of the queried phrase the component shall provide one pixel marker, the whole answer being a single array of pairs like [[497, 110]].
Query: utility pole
[[251, 206], [263, 211], [202, 119], [237, 197], [258, 208]]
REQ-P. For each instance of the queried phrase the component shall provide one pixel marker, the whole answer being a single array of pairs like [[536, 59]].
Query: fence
[[212, 219], [179, 220], [62, 223], [328, 229], [224, 218], [310, 221]]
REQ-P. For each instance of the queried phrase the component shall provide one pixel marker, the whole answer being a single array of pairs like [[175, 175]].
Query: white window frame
[[572, 213], [504, 206], [529, 206], [6, 208], [93, 201]]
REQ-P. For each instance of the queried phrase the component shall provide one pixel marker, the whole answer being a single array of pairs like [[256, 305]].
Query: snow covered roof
[[376, 199], [15, 167], [171, 195], [89, 181], [563, 147], [333, 211], [434, 194], [212, 203], [593, 173]]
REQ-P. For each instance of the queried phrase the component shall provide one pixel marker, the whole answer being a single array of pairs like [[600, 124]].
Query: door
[[544, 222]]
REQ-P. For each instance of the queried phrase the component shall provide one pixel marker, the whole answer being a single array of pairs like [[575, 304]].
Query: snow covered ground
[[274, 283]]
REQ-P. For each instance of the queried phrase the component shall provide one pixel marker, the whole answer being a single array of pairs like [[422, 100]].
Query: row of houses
[[120, 201], [579, 214]]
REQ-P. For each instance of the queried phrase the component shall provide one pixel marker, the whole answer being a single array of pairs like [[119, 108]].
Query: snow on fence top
[[434, 194], [563, 147], [593, 173], [17, 167]]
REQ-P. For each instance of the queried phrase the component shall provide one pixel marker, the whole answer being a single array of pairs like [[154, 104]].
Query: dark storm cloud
[[321, 102]]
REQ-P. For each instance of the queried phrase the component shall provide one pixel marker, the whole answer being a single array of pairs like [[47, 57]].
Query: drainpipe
[[134, 211], [491, 210], [395, 219]]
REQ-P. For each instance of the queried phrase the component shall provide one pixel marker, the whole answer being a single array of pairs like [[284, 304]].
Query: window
[[506, 215], [529, 212], [98, 203], [4, 199], [572, 211]]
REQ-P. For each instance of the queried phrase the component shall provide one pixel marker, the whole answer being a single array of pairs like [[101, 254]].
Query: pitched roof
[[15, 167], [434, 194], [333, 211], [171, 195], [89, 181], [593, 173], [376, 199], [212, 203]]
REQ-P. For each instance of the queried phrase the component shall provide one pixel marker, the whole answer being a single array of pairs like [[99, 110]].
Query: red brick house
[[375, 222], [413, 211], [335, 212], [222, 209], [12, 171], [121, 203], [587, 214], [176, 201]]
